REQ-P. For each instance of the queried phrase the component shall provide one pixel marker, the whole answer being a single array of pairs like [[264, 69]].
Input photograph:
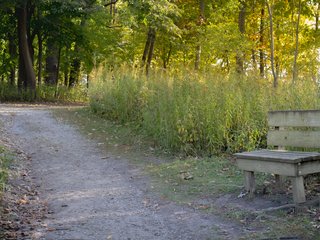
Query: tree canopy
[[55, 42]]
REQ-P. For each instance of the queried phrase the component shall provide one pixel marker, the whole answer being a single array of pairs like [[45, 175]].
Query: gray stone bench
[[300, 129]]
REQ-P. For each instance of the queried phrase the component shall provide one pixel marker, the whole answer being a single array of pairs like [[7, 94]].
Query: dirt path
[[92, 195]]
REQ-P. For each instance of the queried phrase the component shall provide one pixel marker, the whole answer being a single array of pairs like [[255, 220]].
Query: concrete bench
[[299, 129]]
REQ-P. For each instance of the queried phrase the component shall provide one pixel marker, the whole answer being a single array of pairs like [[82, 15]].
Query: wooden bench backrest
[[294, 129]]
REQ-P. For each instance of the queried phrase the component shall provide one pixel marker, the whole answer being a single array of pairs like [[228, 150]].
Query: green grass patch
[[279, 225], [5, 160], [184, 180]]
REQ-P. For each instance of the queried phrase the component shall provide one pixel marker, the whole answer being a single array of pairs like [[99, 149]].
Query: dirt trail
[[90, 196]]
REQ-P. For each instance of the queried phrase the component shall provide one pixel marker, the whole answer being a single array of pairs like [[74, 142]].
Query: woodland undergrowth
[[198, 113], [44, 94]]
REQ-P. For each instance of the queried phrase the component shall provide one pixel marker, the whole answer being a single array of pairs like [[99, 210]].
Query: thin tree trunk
[[254, 61], [146, 47], [26, 72], [275, 76], [166, 57], [30, 11], [40, 55], [241, 25], [57, 73], [88, 79], [150, 53], [66, 78], [74, 72], [198, 47], [198, 57], [13, 55], [76, 62], [317, 18], [261, 53], [296, 51]]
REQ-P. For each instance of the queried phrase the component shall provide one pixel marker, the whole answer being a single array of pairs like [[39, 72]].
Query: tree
[[296, 51], [242, 30], [275, 75], [26, 71]]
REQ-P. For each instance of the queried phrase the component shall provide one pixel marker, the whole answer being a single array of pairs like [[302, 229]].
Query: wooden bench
[[300, 129]]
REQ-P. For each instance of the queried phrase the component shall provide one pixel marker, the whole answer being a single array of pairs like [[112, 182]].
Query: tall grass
[[198, 113]]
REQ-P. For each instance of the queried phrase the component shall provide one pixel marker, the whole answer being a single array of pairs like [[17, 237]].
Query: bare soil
[[85, 193]]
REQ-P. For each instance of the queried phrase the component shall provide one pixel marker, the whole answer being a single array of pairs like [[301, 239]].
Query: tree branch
[[110, 3]]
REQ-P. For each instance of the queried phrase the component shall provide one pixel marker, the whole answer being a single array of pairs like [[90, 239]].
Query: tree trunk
[[74, 72], [275, 76], [198, 57], [146, 47], [317, 18], [76, 62], [30, 11], [296, 51], [261, 53], [40, 55], [150, 52], [51, 63], [254, 61], [198, 47], [66, 76], [241, 25], [58, 66], [13, 55], [166, 57], [26, 72]]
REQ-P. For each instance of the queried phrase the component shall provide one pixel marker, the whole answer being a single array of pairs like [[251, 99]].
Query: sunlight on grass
[[197, 114]]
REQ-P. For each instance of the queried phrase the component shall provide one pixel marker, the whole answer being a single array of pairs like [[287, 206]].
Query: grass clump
[[198, 113], [5, 159]]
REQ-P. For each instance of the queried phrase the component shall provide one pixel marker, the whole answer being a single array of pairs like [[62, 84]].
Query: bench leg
[[299, 195], [279, 181], [249, 182]]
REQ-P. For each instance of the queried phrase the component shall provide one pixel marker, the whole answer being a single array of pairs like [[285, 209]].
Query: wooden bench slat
[[279, 156], [307, 139], [303, 118], [274, 167]]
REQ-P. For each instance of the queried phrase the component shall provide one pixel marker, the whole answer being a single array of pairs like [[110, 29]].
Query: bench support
[[299, 195], [249, 182]]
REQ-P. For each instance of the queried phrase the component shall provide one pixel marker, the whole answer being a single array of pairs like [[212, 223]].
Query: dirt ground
[[86, 193]]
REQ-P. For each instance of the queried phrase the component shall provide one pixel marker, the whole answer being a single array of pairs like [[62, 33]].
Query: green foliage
[[198, 113], [184, 180]]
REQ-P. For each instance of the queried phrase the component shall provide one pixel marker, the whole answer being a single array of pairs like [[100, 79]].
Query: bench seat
[[284, 163], [280, 156]]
